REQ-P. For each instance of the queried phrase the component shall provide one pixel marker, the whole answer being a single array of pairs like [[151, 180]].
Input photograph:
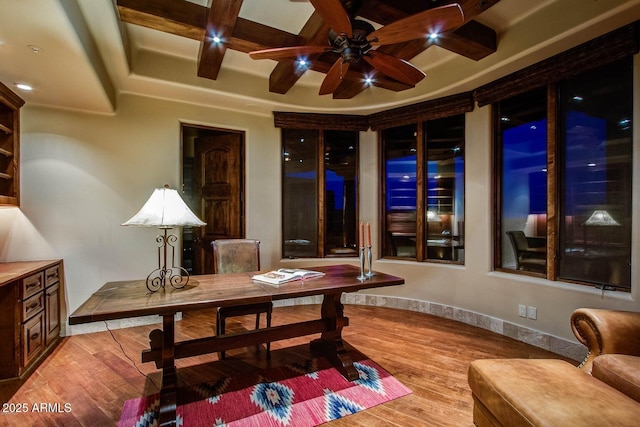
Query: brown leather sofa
[[603, 391]]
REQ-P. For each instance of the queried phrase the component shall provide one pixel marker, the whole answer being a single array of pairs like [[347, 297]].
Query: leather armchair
[[606, 332], [551, 392]]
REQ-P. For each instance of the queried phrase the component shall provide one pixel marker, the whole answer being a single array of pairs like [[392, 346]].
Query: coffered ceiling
[[84, 54]]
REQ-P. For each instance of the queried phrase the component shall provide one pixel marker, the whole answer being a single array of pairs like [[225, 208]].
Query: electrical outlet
[[532, 313], [522, 310]]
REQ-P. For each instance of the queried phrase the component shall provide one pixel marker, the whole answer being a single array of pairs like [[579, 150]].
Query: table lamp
[[165, 209], [601, 217]]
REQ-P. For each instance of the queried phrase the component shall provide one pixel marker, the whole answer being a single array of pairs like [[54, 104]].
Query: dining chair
[[237, 256], [527, 258]]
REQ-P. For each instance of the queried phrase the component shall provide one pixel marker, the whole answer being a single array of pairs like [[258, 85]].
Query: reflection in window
[[400, 154], [523, 132], [300, 193], [596, 132], [319, 193], [424, 218], [444, 139], [340, 192], [590, 184]]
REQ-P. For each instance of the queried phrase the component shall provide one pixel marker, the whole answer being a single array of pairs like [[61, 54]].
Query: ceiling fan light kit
[[355, 39]]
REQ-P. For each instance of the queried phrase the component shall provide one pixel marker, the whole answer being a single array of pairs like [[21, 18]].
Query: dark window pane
[[596, 109], [300, 193], [444, 139], [340, 153], [523, 133], [400, 190]]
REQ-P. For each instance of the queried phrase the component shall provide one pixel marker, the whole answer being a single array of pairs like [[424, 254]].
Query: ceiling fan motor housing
[[352, 49]]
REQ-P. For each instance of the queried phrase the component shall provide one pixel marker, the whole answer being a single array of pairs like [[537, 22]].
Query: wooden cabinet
[[30, 298], [10, 105]]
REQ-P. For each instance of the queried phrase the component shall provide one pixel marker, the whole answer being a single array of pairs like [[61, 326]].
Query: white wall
[[83, 174]]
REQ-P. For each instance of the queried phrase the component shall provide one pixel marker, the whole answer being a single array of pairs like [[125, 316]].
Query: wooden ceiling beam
[[191, 20], [286, 73], [220, 23], [177, 17], [187, 19]]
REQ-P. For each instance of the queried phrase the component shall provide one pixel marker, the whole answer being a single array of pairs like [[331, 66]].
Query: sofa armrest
[[606, 332]]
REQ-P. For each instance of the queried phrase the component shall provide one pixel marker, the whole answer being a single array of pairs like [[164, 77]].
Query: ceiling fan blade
[[436, 20], [335, 15], [334, 77], [395, 68], [287, 52]]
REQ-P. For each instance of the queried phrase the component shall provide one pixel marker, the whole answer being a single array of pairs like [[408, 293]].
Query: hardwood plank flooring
[[90, 376]]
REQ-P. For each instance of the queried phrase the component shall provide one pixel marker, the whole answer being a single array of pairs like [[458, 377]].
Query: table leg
[[330, 344], [168, 395]]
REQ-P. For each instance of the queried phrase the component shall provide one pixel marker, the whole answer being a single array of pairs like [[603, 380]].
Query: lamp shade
[[166, 209], [432, 216], [601, 217]]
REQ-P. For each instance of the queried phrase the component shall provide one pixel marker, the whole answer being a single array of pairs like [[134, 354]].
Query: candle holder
[[362, 275], [370, 273]]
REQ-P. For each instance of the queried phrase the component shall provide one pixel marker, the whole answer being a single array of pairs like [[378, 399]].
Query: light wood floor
[[91, 375]]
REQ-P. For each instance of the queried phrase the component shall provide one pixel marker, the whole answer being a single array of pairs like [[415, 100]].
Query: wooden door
[[219, 185]]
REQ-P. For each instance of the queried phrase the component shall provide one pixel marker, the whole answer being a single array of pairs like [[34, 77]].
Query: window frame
[[554, 190], [321, 203], [421, 225]]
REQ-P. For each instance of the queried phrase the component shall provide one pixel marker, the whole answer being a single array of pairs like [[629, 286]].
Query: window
[[595, 111], [523, 190], [319, 193], [424, 218], [584, 122]]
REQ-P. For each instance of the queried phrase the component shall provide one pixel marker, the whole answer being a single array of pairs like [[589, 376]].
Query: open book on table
[[284, 275]]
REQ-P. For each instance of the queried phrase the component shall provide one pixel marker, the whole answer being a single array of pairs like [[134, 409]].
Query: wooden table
[[119, 300]]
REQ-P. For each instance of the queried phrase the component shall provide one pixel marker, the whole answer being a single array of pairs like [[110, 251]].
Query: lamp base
[[162, 275], [166, 275]]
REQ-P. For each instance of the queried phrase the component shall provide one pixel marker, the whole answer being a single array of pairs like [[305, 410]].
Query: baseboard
[[560, 346]]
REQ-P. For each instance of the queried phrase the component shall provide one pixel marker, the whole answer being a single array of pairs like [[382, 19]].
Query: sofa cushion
[[620, 371], [547, 392]]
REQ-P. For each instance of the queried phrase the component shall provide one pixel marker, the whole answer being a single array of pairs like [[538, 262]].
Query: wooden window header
[[429, 110], [610, 47], [320, 121], [423, 111]]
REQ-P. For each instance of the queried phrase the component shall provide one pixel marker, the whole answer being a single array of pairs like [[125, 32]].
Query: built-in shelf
[[5, 129], [10, 105]]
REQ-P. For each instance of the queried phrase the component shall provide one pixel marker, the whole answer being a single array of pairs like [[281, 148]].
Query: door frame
[[188, 133]]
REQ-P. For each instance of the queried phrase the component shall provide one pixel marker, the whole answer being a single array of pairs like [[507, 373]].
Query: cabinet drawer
[[32, 285], [32, 338], [52, 275], [32, 305]]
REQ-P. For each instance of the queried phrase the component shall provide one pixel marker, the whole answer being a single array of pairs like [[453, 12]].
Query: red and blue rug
[[299, 395]]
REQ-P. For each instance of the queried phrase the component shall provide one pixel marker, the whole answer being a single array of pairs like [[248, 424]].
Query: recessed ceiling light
[[24, 86], [34, 48]]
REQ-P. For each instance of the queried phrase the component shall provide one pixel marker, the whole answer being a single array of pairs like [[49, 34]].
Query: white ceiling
[[87, 57]]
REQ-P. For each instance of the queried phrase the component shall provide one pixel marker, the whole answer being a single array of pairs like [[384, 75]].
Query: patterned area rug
[[297, 395]]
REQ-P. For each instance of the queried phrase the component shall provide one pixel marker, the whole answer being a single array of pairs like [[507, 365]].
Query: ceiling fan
[[355, 39]]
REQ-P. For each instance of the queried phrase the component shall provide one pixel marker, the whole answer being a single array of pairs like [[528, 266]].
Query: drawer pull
[[32, 306], [35, 336], [31, 285], [52, 275]]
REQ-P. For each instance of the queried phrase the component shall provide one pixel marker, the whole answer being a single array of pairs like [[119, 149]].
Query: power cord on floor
[[130, 359]]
